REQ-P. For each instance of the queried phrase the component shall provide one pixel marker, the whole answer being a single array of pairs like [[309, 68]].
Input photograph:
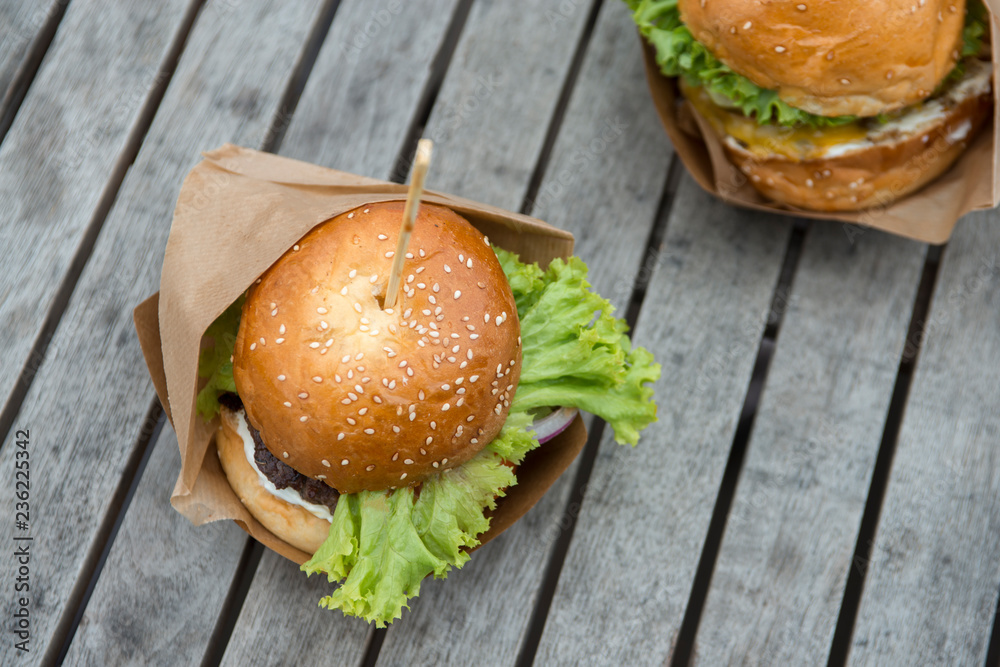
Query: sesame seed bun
[[856, 167], [834, 58], [291, 523], [365, 398]]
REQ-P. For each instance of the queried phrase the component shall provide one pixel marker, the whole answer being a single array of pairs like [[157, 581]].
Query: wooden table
[[823, 483]]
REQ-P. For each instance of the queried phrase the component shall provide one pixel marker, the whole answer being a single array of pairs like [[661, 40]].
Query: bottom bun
[[861, 165], [291, 523]]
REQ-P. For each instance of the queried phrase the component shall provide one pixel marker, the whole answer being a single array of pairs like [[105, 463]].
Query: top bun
[[834, 58], [366, 398]]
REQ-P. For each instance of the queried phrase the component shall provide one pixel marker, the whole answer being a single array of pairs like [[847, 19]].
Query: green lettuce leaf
[[678, 53], [215, 362], [382, 545], [576, 353]]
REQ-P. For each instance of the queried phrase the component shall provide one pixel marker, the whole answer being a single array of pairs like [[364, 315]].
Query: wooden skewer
[[420, 165]]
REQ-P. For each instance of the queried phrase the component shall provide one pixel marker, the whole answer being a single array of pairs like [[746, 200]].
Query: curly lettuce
[[679, 54], [383, 544]]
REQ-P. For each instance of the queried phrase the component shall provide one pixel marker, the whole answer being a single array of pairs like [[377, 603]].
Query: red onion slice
[[553, 423]]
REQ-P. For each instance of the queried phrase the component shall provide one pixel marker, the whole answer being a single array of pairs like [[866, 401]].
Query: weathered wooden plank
[[790, 537], [22, 22], [163, 582], [62, 149], [931, 589], [610, 157], [353, 115], [627, 577], [89, 399]]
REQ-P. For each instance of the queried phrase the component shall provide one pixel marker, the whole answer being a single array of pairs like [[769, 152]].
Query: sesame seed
[[403, 476], [287, 404], [390, 253], [346, 401], [473, 336], [413, 415], [459, 402], [304, 395], [432, 299], [444, 461], [499, 320], [473, 378], [370, 468], [455, 349], [366, 210], [779, 49], [323, 325], [447, 269], [253, 346], [317, 379], [481, 285], [395, 429], [284, 455], [344, 462], [458, 293], [445, 407], [321, 310], [470, 418], [352, 273], [359, 356], [434, 426], [295, 248], [801, 8], [274, 313], [279, 341], [435, 464], [408, 462], [468, 263], [357, 307], [377, 399], [350, 215], [340, 436], [845, 81], [395, 456], [351, 395], [351, 421], [421, 285], [314, 345], [392, 385], [325, 462], [369, 431], [460, 390], [303, 418]]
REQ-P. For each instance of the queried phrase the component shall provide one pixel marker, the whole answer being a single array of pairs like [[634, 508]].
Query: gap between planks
[[439, 67], [840, 645], [62, 296], [684, 644], [25, 74], [578, 492], [93, 564]]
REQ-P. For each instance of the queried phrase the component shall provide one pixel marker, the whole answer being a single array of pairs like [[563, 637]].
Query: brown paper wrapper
[[238, 211], [928, 215]]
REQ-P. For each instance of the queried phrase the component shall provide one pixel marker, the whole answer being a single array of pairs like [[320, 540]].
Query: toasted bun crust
[[891, 162], [370, 399], [291, 523], [834, 58]]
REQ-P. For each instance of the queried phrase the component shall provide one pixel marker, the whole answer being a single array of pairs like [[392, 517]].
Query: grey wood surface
[[61, 150], [931, 591], [789, 542], [22, 22], [628, 574], [605, 191], [92, 394], [335, 129], [163, 582]]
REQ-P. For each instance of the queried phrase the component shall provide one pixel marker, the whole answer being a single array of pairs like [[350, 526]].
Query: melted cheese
[[290, 496], [800, 144]]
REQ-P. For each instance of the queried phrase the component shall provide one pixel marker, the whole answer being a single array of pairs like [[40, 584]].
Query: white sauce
[[288, 495]]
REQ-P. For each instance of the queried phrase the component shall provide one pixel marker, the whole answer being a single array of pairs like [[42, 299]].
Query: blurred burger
[[829, 106]]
